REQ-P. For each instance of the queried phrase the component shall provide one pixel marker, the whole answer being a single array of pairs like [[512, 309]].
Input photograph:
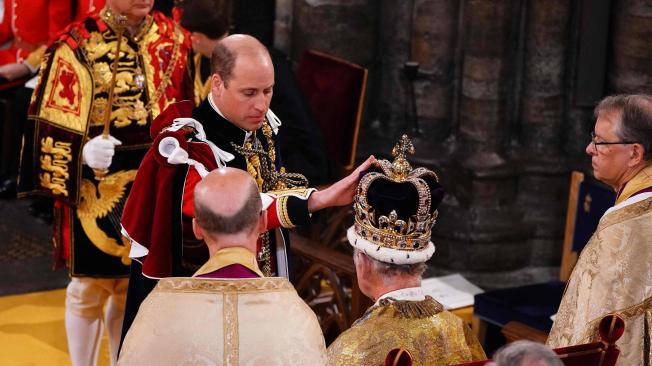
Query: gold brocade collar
[[410, 309], [641, 180], [228, 256], [110, 18]]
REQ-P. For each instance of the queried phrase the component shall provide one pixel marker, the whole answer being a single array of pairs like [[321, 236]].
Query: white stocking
[[113, 320], [84, 336]]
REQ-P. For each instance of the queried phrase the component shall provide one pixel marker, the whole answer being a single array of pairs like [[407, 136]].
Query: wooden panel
[[514, 331], [569, 257]]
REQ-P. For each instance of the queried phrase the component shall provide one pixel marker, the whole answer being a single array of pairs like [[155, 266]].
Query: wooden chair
[[604, 352], [335, 90], [524, 312]]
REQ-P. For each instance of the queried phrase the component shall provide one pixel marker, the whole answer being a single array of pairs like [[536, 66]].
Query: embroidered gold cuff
[[282, 212]]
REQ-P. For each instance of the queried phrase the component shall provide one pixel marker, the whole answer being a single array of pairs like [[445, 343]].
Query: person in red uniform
[[236, 119], [65, 149], [25, 28]]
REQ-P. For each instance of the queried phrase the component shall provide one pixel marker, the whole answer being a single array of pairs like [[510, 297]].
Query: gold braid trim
[[231, 334], [626, 313], [201, 285], [282, 211], [267, 131], [167, 76], [412, 309], [265, 255]]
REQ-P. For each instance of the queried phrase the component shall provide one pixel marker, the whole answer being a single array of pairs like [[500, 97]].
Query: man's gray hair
[[526, 353], [635, 113], [391, 269]]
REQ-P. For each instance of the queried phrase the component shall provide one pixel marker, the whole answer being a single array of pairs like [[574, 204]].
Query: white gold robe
[[199, 321]]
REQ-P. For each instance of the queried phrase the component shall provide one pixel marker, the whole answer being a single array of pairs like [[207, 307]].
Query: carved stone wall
[[496, 112]]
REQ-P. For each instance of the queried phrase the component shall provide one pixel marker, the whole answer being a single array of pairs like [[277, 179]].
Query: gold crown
[[410, 233]]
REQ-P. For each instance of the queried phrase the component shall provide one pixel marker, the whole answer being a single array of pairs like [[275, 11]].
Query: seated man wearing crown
[[395, 209]]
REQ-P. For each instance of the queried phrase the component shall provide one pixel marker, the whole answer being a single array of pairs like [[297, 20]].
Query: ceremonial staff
[[121, 22]]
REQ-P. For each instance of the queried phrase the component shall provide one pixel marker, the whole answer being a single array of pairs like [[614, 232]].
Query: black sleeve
[[297, 210]]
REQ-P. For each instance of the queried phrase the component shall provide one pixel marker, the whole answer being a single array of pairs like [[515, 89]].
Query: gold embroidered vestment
[[195, 321], [441, 338], [613, 275]]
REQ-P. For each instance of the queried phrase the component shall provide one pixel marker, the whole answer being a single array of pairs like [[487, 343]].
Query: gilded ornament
[[139, 113], [54, 159], [56, 185], [95, 47], [102, 76], [97, 113], [92, 207]]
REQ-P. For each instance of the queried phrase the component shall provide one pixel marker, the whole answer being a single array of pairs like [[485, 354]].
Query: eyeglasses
[[599, 143]]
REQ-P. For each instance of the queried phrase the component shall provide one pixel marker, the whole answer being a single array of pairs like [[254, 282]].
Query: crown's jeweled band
[[390, 240], [388, 231]]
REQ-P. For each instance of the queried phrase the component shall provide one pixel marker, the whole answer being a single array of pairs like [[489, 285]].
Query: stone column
[[481, 232], [544, 177], [434, 46], [631, 54], [578, 119], [343, 28]]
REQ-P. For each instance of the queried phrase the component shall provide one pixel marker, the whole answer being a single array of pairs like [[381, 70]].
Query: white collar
[[631, 200], [409, 294]]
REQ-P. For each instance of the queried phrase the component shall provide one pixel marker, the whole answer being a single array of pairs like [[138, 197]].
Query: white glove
[[98, 151]]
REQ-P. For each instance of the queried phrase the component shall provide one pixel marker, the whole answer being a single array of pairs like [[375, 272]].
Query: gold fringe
[[413, 309]]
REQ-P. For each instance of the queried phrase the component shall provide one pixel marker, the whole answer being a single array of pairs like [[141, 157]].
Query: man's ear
[[637, 153], [197, 230], [216, 85], [362, 263]]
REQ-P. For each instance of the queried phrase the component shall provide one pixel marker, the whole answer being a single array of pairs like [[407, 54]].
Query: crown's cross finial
[[403, 147], [400, 165]]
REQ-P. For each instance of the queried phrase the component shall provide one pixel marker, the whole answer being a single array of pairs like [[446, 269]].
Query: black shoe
[[8, 189]]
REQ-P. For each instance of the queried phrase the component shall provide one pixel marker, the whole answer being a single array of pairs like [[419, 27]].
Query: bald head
[[227, 52], [227, 202]]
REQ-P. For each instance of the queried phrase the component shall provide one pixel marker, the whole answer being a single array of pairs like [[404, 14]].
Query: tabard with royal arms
[[99, 72]]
